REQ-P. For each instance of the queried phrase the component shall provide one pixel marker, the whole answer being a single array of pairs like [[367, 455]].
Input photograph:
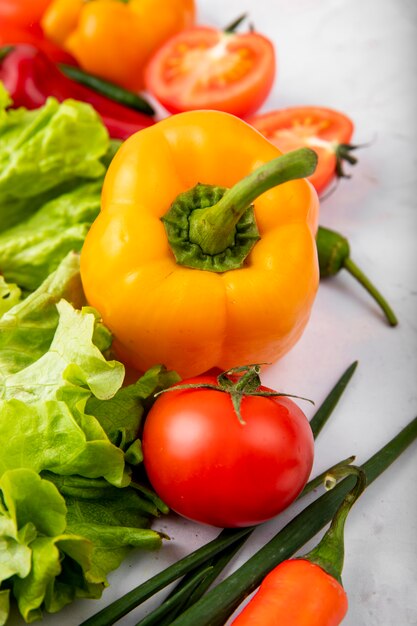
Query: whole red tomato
[[210, 467]]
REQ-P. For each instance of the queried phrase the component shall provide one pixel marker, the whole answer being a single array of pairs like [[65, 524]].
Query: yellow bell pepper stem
[[214, 228]]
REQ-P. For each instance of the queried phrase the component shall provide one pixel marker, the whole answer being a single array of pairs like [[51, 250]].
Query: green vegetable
[[334, 254], [27, 328], [69, 511], [43, 149], [52, 165], [30, 250], [112, 91]]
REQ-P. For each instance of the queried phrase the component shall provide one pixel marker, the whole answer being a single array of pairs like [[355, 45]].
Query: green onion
[[324, 411], [218, 604], [176, 599], [133, 598]]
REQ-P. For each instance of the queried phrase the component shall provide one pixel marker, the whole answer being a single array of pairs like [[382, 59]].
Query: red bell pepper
[[11, 33], [31, 77]]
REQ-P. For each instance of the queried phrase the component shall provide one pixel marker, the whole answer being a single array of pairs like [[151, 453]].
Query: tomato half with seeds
[[206, 68], [212, 467], [326, 131]]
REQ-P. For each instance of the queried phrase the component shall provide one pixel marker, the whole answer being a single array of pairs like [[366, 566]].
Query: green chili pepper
[[110, 90], [334, 254]]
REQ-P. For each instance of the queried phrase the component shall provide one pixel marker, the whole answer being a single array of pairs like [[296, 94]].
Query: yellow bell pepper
[[114, 39], [248, 284]]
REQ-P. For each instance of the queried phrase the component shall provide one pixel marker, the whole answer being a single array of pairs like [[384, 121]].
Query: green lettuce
[[31, 250], [69, 509], [28, 326], [52, 166], [43, 149]]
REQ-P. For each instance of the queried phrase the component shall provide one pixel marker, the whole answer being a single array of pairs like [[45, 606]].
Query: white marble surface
[[358, 56]]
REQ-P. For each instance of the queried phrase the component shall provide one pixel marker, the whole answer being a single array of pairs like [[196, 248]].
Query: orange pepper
[[296, 592], [114, 39], [187, 318], [308, 590]]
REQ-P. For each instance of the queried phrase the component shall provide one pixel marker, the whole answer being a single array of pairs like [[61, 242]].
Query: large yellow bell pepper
[[115, 38], [191, 319]]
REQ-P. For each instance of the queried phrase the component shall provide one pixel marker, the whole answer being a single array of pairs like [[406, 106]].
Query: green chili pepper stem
[[329, 553], [213, 228], [354, 270]]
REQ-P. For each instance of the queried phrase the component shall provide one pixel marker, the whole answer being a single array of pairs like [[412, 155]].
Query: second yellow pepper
[[178, 290], [114, 39]]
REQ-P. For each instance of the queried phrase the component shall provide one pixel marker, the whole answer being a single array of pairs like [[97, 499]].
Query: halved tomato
[[326, 131], [206, 68]]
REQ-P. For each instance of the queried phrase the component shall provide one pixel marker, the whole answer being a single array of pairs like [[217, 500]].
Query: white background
[[358, 56]]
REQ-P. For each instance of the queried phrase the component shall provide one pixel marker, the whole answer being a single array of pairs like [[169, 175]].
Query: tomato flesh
[[318, 128], [206, 68], [211, 468]]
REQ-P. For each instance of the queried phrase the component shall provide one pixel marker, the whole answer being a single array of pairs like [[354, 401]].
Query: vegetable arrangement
[[31, 78], [114, 40], [200, 251]]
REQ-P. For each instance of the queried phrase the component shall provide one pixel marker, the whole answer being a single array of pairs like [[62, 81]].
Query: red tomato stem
[[247, 383], [231, 28]]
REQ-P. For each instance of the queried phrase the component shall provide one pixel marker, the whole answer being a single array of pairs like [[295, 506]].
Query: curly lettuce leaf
[[44, 148], [32, 249], [121, 416], [28, 327], [53, 551], [43, 423], [35, 549], [69, 512]]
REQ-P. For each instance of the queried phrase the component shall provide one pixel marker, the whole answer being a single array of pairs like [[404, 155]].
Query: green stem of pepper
[[213, 228], [334, 254], [329, 553]]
